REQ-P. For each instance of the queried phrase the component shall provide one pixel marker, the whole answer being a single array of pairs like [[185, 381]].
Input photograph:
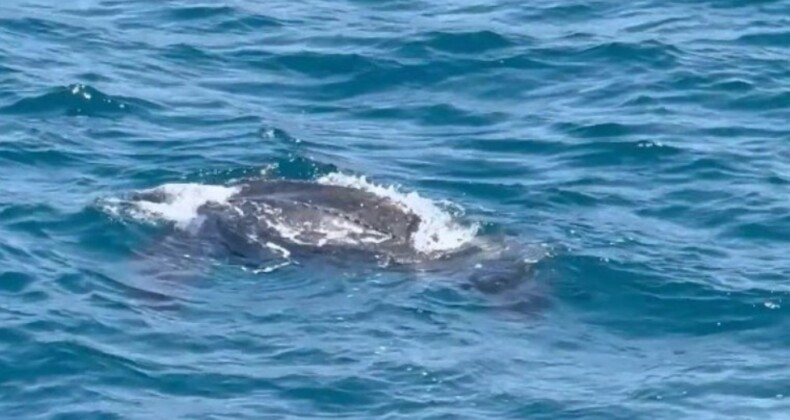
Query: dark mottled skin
[[243, 235], [301, 203], [309, 200]]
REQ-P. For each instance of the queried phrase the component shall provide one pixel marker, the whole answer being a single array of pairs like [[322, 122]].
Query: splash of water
[[438, 231], [176, 203]]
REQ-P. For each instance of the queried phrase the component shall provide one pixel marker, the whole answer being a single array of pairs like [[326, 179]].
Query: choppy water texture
[[646, 144]]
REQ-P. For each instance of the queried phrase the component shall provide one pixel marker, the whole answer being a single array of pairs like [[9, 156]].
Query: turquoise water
[[645, 144]]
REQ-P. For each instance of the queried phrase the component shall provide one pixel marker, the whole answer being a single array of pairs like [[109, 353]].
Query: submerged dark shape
[[269, 220]]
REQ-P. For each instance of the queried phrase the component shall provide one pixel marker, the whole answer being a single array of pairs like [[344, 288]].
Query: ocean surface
[[644, 146]]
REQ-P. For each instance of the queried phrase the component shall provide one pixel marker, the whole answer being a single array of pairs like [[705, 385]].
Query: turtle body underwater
[[261, 222]]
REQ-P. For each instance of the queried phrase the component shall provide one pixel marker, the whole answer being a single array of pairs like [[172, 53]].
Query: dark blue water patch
[[705, 168], [40, 27], [33, 147], [406, 75], [776, 179], [684, 79], [776, 103], [27, 218], [508, 194], [762, 5], [706, 311], [571, 12], [192, 57], [38, 156], [189, 19], [85, 414], [765, 229], [105, 9], [117, 294], [75, 283], [322, 65], [603, 153], [767, 39], [198, 12], [95, 78], [15, 251], [250, 23], [465, 43], [732, 85], [90, 228], [512, 145], [642, 101], [608, 130], [660, 24], [643, 55], [767, 135], [437, 115], [15, 282], [568, 197], [6, 70], [706, 199]]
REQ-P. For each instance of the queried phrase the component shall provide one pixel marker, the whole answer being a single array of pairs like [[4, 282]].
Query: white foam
[[337, 230], [438, 230], [329, 230], [180, 202], [277, 248]]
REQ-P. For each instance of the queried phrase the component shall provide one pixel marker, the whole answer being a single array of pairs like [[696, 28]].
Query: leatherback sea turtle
[[263, 221]]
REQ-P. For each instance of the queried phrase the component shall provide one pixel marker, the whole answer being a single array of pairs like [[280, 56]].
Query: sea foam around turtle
[[176, 203], [438, 232]]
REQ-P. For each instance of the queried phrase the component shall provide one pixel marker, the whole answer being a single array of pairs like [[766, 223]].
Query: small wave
[[77, 99], [323, 65], [766, 39], [654, 53], [466, 43], [200, 12], [438, 230]]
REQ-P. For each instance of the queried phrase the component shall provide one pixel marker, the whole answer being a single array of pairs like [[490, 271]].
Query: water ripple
[[642, 146], [75, 100]]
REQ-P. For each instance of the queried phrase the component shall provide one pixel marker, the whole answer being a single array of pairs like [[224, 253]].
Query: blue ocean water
[[646, 144]]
